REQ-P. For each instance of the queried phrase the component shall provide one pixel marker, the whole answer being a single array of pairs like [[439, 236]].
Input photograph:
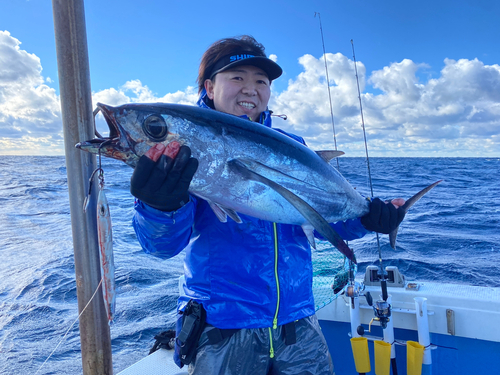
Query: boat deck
[[463, 342]]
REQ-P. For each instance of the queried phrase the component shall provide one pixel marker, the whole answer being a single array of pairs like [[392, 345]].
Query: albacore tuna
[[244, 167]]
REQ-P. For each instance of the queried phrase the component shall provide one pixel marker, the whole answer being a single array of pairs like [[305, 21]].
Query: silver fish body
[[215, 139], [105, 238], [244, 167]]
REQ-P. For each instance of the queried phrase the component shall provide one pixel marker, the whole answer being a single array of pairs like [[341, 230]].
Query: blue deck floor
[[454, 355]]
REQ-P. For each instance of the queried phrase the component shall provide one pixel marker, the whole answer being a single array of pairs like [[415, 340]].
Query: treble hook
[[91, 179]]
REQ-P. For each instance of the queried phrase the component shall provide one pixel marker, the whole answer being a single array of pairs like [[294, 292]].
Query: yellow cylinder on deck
[[414, 358], [361, 355], [382, 357]]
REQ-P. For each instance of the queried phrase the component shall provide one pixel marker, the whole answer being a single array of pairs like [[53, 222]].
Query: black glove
[[383, 217], [164, 184]]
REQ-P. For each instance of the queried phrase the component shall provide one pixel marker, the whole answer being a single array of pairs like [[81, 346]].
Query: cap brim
[[272, 69]]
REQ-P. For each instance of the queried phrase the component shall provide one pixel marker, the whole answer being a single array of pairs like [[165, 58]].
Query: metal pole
[[76, 106]]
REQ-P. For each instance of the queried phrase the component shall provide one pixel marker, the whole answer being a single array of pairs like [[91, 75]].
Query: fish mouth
[[116, 145], [107, 112], [114, 131]]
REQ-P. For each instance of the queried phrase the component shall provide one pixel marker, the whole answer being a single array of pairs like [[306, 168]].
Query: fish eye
[[155, 128]]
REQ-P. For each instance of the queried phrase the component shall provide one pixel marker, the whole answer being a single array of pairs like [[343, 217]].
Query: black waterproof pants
[[248, 352]]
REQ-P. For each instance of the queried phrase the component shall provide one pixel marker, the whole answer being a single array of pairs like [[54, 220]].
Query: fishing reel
[[381, 308], [382, 311], [356, 289]]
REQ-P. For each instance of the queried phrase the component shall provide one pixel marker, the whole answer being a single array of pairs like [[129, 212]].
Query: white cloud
[[142, 94], [139, 93], [29, 110], [456, 114], [305, 101]]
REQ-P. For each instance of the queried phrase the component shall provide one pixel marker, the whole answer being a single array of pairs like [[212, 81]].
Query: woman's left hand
[[398, 202], [384, 217]]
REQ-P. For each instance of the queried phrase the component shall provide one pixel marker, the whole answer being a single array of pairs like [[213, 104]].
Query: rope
[[66, 334]]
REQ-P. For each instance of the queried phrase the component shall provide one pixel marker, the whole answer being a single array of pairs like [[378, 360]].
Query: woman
[[253, 280]]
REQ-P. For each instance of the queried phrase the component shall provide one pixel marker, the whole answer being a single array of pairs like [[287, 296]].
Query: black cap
[[233, 60]]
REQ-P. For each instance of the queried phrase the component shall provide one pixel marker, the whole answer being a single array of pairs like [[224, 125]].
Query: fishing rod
[[382, 308], [352, 289], [351, 273], [350, 286], [328, 85], [383, 280]]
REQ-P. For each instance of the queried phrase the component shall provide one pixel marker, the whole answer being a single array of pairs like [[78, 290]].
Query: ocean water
[[452, 235]]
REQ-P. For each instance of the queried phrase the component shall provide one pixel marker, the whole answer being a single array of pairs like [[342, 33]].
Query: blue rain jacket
[[250, 275]]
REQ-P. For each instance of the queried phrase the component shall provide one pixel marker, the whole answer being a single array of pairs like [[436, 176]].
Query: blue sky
[[429, 71]]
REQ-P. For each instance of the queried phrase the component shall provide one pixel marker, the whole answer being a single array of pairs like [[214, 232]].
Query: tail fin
[[410, 202]]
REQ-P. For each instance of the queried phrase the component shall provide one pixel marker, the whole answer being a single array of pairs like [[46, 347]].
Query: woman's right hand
[[162, 176]]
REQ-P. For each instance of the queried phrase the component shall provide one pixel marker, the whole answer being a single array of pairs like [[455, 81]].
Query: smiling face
[[244, 90]]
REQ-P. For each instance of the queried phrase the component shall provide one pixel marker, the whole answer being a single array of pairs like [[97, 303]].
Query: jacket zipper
[[275, 320]]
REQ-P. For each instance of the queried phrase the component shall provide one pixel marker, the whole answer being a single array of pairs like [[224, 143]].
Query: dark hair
[[225, 47]]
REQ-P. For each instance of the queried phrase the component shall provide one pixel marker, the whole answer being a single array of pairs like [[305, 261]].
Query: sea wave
[[451, 235]]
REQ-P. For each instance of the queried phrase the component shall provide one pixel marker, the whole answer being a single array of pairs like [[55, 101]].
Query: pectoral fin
[[309, 232], [271, 173], [223, 212], [309, 213]]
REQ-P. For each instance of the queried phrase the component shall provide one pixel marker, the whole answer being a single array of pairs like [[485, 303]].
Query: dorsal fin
[[328, 155]]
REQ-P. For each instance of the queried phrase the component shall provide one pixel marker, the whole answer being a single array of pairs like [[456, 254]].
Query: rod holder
[[414, 358], [382, 357], [424, 337], [361, 354]]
